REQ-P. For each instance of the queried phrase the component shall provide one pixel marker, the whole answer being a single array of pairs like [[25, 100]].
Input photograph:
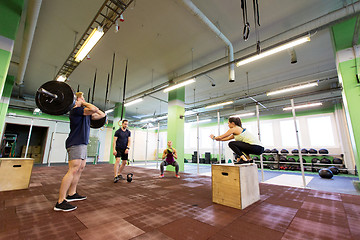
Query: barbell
[[58, 98]]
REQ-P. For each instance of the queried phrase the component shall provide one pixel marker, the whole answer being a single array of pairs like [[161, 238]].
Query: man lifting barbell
[[57, 98], [76, 146]]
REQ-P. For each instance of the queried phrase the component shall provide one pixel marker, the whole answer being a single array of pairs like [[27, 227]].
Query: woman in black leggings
[[245, 143]]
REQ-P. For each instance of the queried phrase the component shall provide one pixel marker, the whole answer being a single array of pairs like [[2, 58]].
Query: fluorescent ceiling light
[[292, 89], [188, 113], [244, 115], [179, 85], [160, 118], [89, 43], [133, 102], [200, 121], [303, 106], [219, 104], [273, 51], [109, 111], [148, 120], [61, 78]]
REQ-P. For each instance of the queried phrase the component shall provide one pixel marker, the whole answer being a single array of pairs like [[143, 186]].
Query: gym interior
[[177, 70]]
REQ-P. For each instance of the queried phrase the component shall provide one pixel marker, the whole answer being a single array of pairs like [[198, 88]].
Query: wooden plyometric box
[[15, 173], [235, 186]]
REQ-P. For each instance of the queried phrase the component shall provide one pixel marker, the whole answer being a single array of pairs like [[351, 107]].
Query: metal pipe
[[147, 140], [46, 92], [51, 143], [218, 118], [157, 147], [196, 11], [261, 156], [29, 136], [133, 148], [197, 144], [298, 143], [32, 15]]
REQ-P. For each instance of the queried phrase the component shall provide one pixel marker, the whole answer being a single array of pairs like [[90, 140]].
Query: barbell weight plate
[[63, 104], [98, 123]]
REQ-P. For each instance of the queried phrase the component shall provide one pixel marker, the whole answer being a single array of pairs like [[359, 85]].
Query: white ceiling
[[162, 39]]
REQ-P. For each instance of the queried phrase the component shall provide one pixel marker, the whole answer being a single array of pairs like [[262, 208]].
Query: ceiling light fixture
[[201, 121], [219, 104], [168, 89], [89, 43], [109, 111], [146, 120], [273, 51], [133, 102], [303, 106], [290, 89], [244, 115], [61, 78]]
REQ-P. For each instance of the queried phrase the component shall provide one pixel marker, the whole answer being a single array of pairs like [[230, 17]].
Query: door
[[57, 149]]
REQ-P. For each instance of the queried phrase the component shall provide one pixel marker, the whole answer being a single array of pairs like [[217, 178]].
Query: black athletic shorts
[[121, 154]]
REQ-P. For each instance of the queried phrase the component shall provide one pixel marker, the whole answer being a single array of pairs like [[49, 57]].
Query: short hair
[[235, 120], [79, 94], [124, 121]]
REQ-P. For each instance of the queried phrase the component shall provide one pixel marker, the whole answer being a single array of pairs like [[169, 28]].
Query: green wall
[[348, 65]]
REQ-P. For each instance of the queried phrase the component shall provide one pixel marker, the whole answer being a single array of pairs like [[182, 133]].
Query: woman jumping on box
[[169, 154], [245, 143]]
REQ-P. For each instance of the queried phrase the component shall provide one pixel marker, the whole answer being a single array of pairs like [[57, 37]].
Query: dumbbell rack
[[307, 166]]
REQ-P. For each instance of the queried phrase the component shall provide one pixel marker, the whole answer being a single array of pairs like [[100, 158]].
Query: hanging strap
[[246, 30]]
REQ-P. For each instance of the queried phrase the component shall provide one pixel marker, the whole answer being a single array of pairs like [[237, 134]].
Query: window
[[288, 134], [321, 132]]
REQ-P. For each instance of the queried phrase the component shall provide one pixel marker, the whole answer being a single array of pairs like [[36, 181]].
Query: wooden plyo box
[[235, 186], [15, 173]]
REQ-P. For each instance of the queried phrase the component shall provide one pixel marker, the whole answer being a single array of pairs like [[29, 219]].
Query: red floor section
[[170, 208]]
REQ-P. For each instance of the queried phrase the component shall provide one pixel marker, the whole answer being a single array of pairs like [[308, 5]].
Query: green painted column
[[176, 99], [5, 99], [347, 62], [10, 14], [115, 126]]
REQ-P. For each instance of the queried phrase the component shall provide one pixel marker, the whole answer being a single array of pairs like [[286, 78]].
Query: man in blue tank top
[[76, 146]]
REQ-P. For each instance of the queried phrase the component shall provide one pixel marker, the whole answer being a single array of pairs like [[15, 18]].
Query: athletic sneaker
[[177, 176], [161, 176], [75, 197], [116, 179], [64, 206]]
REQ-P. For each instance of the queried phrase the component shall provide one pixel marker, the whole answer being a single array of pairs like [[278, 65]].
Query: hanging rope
[[123, 102]]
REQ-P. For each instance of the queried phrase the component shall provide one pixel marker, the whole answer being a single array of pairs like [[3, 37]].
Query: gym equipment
[[314, 160], [325, 173], [267, 151], [313, 151], [246, 30], [99, 122], [129, 177], [284, 151], [323, 151], [274, 150], [337, 161], [58, 98], [255, 158], [295, 151], [291, 159], [282, 159], [55, 98], [271, 159], [334, 170], [325, 160], [304, 150]]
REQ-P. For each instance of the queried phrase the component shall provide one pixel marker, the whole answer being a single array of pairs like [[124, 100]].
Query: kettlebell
[[129, 177]]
